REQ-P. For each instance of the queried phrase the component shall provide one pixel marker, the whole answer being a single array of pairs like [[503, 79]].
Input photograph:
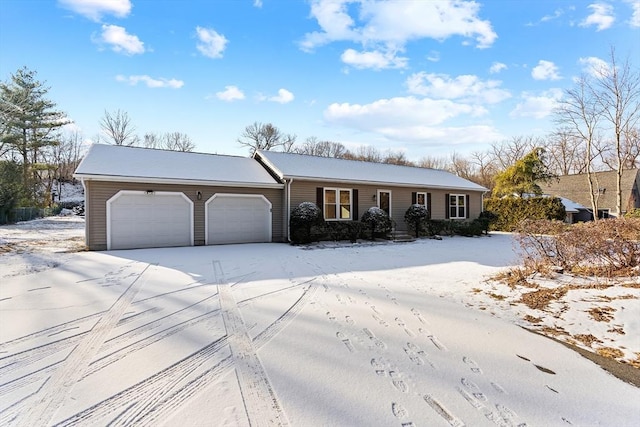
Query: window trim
[[457, 205], [337, 191], [424, 193]]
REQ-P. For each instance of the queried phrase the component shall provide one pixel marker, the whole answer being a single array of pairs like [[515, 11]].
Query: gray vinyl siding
[[99, 192], [305, 191]]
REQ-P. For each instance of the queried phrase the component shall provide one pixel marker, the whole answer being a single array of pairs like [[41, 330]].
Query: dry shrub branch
[[603, 248]]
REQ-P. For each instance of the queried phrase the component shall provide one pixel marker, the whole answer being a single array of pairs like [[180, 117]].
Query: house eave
[[382, 183], [157, 180]]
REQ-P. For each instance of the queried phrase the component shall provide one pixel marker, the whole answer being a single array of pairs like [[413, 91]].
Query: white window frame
[[337, 205], [424, 196], [457, 206]]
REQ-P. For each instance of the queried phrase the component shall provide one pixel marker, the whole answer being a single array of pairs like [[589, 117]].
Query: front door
[[384, 201]]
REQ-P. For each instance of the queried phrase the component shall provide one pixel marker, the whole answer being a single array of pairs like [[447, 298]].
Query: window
[[421, 199], [604, 213], [457, 206], [337, 203]]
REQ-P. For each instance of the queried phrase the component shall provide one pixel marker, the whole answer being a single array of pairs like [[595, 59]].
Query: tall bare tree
[[315, 147], [118, 128], [565, 152], [579, 113], [617, 90]]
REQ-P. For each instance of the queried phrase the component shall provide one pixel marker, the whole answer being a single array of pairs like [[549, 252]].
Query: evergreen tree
[[29, 122], [521, 177]]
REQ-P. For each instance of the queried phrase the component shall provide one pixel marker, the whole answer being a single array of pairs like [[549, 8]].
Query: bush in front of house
[[377, 221], [416, 218], [511, 211], [304, 218], [633, 213], [343, 230]]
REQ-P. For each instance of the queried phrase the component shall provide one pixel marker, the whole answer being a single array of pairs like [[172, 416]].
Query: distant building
[[576, 189]]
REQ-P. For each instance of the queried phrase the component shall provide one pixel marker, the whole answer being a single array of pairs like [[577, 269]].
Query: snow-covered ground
[[408, 334]]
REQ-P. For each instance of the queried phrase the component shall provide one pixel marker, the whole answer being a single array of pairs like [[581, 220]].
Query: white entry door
[[238, 218]]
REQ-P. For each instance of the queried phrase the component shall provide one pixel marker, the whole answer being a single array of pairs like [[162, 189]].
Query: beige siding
[[98, 192], [305, 191]]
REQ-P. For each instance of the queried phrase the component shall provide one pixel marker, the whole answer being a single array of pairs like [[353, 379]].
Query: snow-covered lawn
[[407, 334]]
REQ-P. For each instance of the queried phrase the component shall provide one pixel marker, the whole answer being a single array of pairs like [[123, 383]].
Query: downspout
[[289, 209]]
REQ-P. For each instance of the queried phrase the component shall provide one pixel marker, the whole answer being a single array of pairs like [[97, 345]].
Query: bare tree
[[151, 140], [396, 158], [260, 136], [486, 169], [617, 91], [430, 162], [565, 153], [177, 141], [118, 128], [579, 112], [315, 147], [365, 153], [507, 153]]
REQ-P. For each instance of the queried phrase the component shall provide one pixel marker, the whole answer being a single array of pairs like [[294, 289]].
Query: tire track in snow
[[261, 404], [55, 390]]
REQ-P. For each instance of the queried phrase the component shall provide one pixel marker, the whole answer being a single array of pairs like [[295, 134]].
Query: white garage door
[[140, 219], [238, 218]]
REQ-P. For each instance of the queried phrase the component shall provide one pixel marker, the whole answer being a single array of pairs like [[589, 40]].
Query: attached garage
[[149, 219], [238, 218]]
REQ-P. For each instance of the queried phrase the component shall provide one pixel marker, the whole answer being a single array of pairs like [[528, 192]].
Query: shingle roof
[[304, 167], [576, 188], [119, 163]]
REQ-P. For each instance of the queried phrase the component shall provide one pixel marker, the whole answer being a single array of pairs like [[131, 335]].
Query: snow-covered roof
[[304, 167], [570, 206], [119, 163]]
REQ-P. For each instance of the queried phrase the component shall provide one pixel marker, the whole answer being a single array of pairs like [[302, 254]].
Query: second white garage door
[[141, 219], [238, 218]]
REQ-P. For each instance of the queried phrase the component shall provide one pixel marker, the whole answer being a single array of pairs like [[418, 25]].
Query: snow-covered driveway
[[270, 334]]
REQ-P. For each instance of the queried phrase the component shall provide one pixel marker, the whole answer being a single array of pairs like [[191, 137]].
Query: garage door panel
[[141, 220], [238, 219]]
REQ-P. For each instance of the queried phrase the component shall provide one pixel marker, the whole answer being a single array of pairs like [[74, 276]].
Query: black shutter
[[320, 198], [446, 206], [414, 198], [354, 203], [429, 204], [467, 206]]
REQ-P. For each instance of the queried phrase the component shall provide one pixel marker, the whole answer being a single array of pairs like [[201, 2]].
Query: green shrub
[[511, 211], [343, 230], [416, 218], [304, 218], [377, 221], [633, 213]]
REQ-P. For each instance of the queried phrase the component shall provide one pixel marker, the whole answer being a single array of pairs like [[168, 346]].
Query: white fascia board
[[149, 180], [382, 183]]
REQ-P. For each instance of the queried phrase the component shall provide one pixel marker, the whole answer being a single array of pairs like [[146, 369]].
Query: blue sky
[[426, 77]]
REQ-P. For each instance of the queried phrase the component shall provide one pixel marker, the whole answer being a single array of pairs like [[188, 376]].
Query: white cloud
[[120, 41], [601, 16], [434, 56], [545, 70], [634, 21], [95, 9], [537, 106], [211, 44], [257, 3], [283, 97], [150, 81], [398, 112], [467, 88], [230, 93], [594, 66], [389, 25], [374, 59], [412, 119], [497, 67]]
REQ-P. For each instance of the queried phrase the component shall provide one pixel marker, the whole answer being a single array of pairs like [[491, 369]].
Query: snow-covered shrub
[[377, 221], [344, 230], [303, 218], [416, 217]]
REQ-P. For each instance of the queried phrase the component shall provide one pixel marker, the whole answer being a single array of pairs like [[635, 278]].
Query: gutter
[[86, 213]]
